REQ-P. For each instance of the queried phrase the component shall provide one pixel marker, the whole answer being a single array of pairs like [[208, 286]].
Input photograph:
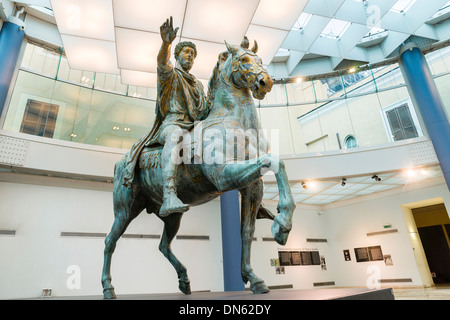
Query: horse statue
[[238, 75]]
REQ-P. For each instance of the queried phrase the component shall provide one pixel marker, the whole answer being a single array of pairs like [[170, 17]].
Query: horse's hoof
[[109, 294], [279, 233], [185, 287], [259, 288]]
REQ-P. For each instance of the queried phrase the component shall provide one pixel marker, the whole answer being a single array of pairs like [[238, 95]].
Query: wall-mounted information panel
[[369, 254], [299, 258]]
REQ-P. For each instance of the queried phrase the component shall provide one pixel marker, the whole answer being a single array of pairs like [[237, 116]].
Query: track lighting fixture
[[304, 185], [376, 178], [344, 182]]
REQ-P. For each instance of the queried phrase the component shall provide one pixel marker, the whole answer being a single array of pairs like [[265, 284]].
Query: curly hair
[[183, 44]]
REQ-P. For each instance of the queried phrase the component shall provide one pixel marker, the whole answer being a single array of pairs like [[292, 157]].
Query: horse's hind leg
[[171, 226], [251, 198]]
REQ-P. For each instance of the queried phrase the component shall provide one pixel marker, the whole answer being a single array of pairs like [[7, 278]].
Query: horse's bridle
[[243, 71]]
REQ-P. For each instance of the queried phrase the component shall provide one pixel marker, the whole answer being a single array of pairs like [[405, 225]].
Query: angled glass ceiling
[[295, 37]]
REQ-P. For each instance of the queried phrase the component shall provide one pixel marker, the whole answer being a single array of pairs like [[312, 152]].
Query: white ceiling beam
[[352, 11], [374, 54], [294, 58], [392, 42], [302, 40], [427, 31], [422, 11], [313, 66], [351, 37], [325, 47], [358, 54], [443, 30]]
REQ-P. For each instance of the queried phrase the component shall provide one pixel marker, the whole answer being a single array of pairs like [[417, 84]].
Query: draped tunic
[[180, 101]]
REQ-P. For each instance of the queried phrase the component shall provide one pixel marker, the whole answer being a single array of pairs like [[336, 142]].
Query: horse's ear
[[255, 47], [232, 49]]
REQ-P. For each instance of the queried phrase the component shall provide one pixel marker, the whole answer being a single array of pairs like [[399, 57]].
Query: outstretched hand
[[168, 34]]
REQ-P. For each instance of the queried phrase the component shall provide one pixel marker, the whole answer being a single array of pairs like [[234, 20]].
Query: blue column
[[430, 105], [231, 241], [11, 37]]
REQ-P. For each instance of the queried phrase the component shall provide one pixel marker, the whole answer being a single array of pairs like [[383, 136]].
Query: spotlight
[[344, 182], [376, 178], [304, 185]]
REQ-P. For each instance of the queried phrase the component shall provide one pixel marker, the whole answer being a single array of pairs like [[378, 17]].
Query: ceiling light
[[344, 182], [410, 173], [352, 70], [376, 178], [298, 80]]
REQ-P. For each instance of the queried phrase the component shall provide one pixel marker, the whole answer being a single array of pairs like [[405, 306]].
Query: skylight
[[335, 29], [402, 6], [302, 21]]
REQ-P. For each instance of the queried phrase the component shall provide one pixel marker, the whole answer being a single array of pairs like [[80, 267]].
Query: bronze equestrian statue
[[212, 163]]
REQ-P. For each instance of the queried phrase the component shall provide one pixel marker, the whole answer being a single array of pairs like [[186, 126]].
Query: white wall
[[37, 256], [349, 225]]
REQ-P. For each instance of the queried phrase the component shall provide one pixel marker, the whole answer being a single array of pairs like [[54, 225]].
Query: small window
[[39, 118], [401, 123], [350, 142]]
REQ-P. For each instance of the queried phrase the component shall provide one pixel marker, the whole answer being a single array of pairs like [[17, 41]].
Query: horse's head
[[247, 70]]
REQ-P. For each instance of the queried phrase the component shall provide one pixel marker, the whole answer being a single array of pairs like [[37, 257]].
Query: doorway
[[433, 226]]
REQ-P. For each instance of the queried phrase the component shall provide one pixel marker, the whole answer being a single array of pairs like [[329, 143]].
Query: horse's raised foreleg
[[239, 175], [171, 226], [282, 223], [251, 198]]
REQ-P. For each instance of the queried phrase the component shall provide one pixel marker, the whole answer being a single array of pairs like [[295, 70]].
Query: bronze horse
[[238, 75]]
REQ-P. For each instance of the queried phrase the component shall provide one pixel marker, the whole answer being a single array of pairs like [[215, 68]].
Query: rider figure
[[181, 101]]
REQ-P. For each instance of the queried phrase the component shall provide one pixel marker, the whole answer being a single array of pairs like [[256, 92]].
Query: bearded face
[[186, 58]]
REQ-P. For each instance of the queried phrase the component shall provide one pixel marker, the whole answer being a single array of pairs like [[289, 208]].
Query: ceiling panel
[[207, 56], [147, 15], [134, 26], [218, 20], [137, 50], [90, 54], [138, 78], [280, 14], [269, 40], [85, 18]]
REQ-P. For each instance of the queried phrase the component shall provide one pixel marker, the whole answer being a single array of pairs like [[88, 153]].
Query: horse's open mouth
[[258, 92]]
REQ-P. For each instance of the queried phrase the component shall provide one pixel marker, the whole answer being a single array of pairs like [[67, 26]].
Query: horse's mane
[[214, 80]]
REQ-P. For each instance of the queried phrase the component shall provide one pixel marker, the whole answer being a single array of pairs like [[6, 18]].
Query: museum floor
[[441, 292]]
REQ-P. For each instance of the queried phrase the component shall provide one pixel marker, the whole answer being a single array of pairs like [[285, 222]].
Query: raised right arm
[[168, 34]]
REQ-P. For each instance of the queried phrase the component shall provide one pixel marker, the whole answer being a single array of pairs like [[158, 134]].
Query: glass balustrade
[[355, 108]]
